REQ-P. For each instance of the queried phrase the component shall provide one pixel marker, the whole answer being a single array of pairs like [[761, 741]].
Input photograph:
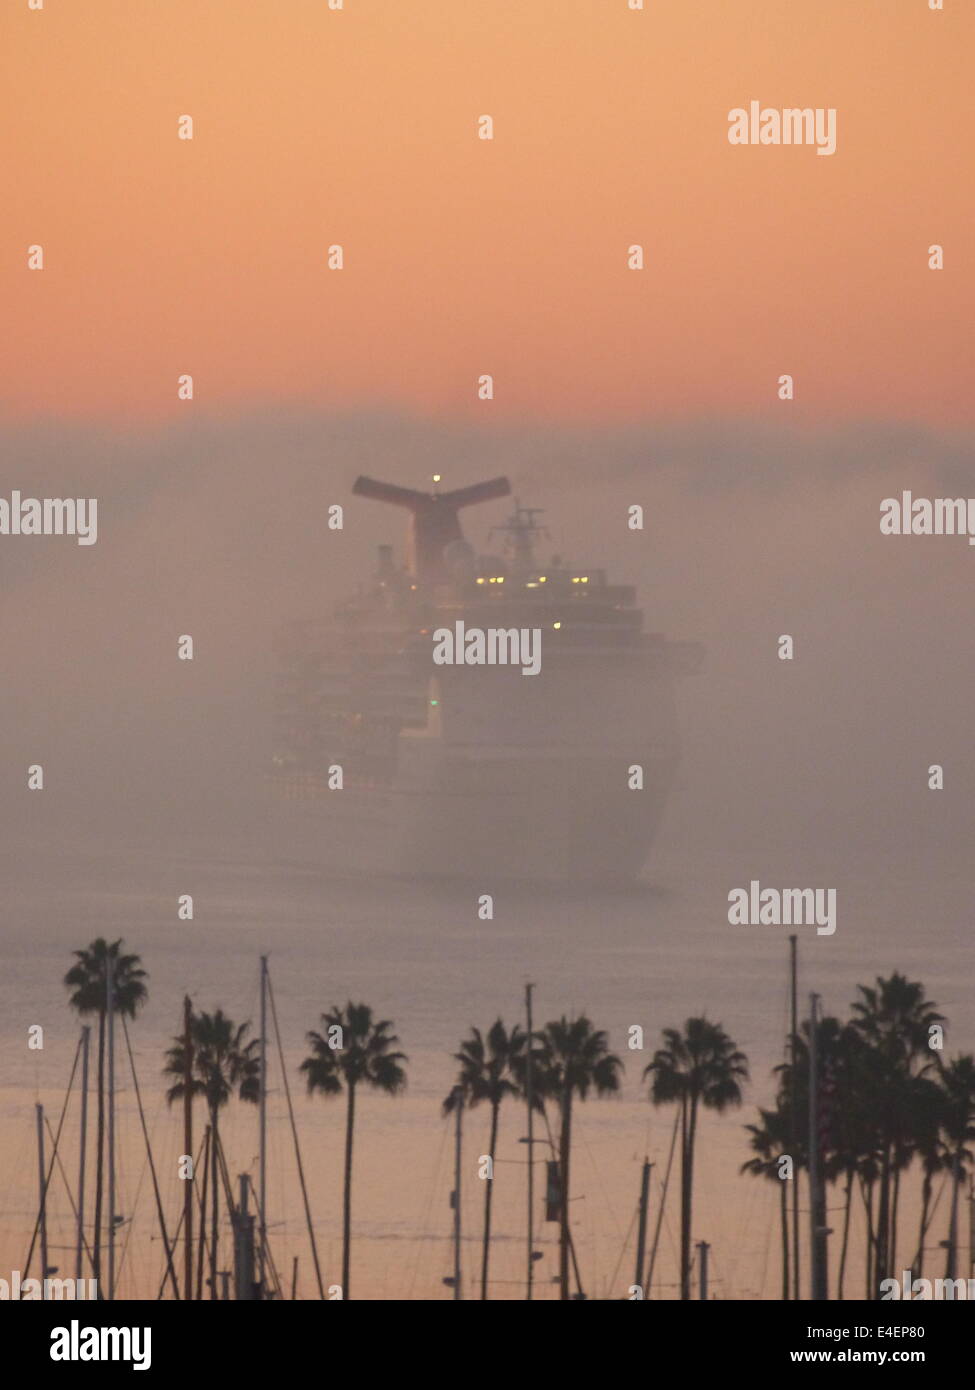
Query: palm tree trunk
[[846, 1233], [917, 1265], [347, 1195], [688, 1184], [96, 1248], [495, 1108], [565, 1138], [784, 1211], [883, 1224], [867, 1190], [951, 1256], [214, 1209], [684, 1251], [892, 1248]]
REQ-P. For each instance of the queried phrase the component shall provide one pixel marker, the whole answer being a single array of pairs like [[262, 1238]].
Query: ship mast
[[522, 531]]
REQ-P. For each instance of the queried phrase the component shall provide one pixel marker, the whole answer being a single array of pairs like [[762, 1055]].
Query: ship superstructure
[[388, 762]]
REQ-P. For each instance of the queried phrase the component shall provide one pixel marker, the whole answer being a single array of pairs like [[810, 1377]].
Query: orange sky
[[165, 256]]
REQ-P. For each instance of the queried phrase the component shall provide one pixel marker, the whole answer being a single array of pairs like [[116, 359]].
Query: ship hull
[[515, 814]]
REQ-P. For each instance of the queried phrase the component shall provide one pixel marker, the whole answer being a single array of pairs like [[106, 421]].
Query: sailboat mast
[[201, 1243], [641, 1236], [82, 1147], [817, 1212], [531, 1140], [188, 1146], [702, 1250], [43, 1197], [458, 1112], [244, 1285], [663, 1202], [262, 1101], [110, 1007], [794, 1109]]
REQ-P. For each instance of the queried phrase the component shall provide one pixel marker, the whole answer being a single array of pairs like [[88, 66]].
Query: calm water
[[420, 956]]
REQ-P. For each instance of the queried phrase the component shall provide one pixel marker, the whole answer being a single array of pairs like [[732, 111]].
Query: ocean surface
[[419, 955]]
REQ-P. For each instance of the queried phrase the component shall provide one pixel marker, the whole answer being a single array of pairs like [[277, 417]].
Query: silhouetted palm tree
[[770, 1141], [223, 1063], [847, 1121], [958, 1084], [88, 979], [700, 1066], [852, 1128], [572, 1059], [895, 1019], [934, 1155], [356, 1050], [487, 1072]]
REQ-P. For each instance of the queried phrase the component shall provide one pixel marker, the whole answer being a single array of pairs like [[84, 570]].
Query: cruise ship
[[388, 763]]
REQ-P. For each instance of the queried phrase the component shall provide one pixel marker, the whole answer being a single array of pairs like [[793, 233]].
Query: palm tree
[[934, 1154], [895, 1019], [223, 1063], [700, 1066], [88, 981], [853, 1123], [847, 1109], [958, 1083], [770, 1141], [573, 1058], [356, 1050], [486, 1074]]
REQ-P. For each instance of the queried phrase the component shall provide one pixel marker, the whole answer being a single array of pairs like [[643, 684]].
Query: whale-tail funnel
[[435, 523]]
